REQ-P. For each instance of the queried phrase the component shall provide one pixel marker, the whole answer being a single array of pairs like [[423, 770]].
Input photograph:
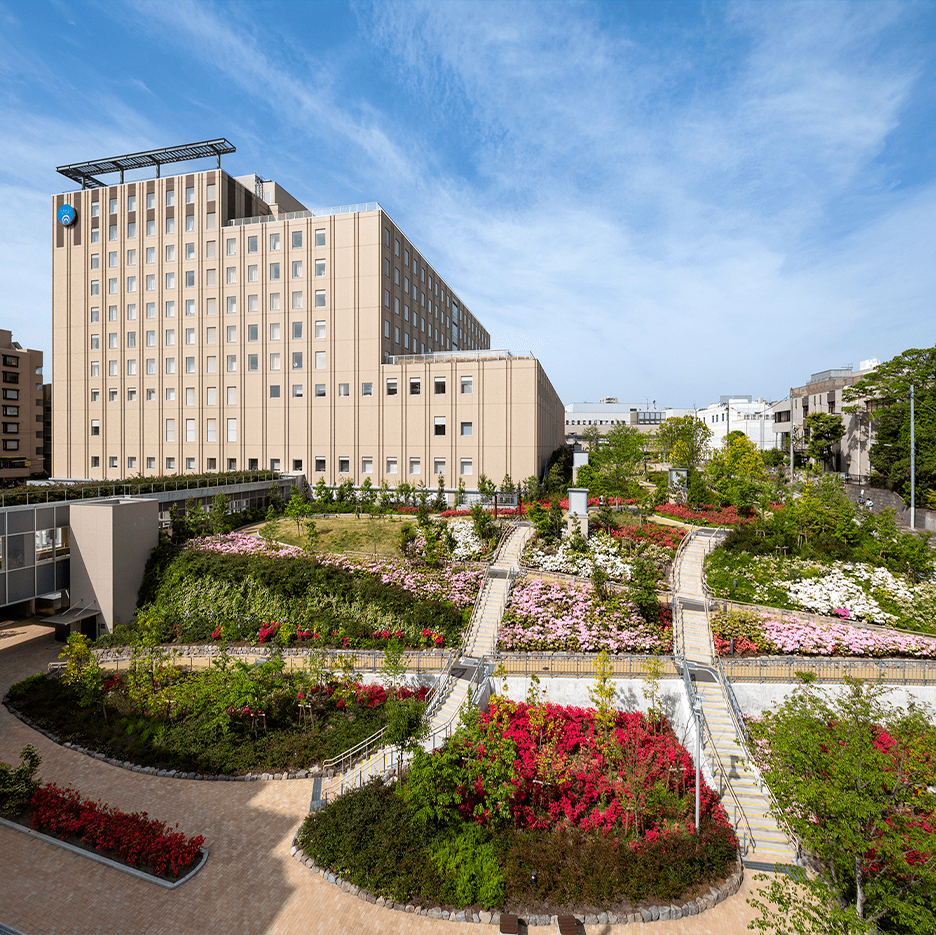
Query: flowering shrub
[[544, 766], [546, 616], [757, 633], [850, 590], [668, 537], [135, 838], [602, 551], [705, 515]]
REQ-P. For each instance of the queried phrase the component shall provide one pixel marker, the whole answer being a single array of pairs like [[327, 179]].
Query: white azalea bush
[[850, 590], [456, 539], [577, 556]]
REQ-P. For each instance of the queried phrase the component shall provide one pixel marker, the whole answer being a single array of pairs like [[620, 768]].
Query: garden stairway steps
[[747, 805], [492, 599]]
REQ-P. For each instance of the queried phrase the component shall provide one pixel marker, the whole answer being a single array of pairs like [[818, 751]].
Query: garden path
[[250, 884], [745, 802]]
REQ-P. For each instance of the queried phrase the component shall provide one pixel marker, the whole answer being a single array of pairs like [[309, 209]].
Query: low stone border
[[691, 907], [101, 859], [168, 773]]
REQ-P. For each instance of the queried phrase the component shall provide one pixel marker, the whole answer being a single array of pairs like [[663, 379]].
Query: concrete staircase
[[763, 841], [454, 683]]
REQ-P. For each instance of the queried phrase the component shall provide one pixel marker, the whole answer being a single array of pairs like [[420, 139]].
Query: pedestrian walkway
[[250, 884], [744, 799]]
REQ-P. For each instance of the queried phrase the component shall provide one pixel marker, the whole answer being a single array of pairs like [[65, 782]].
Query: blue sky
[[665, 201]]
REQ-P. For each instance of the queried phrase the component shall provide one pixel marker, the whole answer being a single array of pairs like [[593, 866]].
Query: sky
[[661, 201]]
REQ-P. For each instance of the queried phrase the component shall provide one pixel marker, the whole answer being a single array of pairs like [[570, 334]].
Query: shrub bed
[[193, 722], [603, 814]]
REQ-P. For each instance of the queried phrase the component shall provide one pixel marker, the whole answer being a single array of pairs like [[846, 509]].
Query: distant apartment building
[[23, 433], [204, 322], [823, 393]]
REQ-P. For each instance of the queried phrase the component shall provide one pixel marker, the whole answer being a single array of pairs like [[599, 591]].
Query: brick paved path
[[250, 884]]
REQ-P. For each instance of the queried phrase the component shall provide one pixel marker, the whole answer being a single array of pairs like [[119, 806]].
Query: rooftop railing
[[301, 215]]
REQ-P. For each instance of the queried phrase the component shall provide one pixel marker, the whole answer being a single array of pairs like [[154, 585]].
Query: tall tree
[[852, 776], [886, 394], [615, 458], [683, 440], [736, 472], [825, 430]]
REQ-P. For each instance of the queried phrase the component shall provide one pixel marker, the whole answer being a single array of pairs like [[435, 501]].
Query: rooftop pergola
[[86, 172]]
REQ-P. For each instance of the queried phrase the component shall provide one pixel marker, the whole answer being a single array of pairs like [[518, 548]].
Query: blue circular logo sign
[[67, 215]]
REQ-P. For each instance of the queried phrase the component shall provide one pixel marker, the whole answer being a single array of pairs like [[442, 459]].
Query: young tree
[[297, 508], [852, 777], [825, 430], [736, 472], [218, 515], [615, 458]]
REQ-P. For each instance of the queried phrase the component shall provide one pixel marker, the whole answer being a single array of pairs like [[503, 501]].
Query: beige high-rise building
[[203, 322]]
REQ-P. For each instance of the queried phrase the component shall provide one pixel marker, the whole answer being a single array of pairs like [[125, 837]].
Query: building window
[[112, 368], [391, 387], [170, 464], [211, 365], [131, 463], [253, 362], [274, 361], [232, 363], [95, 426], [367, 389], [111, 395], [344, 465], [438, 466], [320, 238], [297, 269], [466, 429], [252, 274], [230, 275], [319, 360], [415, 386], [252, 245], [415, 466], [320, 298], [367, 465], [131, 394], [274, 241], [190, 430], [297, 330], [297, 360], [170, 394], [274, 391], [274, 271], [231, 304], [95, 461], [391, 466], [386, 328], [252, 303], [231, 334], [467, 386], [467, 468], [344, 389], [232, 430], [386, 298], [170, 337], [297, 391], [274, 301], [297, 300], [170, 430], [95, 342], [131, 368], [319, 465], [211, 335], [439, 423], [396, 335], [296, 239], [319, 389]]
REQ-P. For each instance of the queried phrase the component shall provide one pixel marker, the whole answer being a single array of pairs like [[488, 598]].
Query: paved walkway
[[250, 884], [747, 806]]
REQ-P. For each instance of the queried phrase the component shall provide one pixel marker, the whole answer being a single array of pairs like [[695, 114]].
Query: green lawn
[[349, 533]]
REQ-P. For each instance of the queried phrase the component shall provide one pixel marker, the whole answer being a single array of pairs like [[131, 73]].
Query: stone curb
[[652, 914], [170, 773]]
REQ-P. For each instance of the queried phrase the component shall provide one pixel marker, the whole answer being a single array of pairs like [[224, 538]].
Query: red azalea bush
[[667, 536], [367, 696], [546, 766], [705, 515], [136, 838]]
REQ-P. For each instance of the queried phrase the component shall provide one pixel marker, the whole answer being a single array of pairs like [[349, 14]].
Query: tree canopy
[[886, 394], [825, 429], [682, 441], [851, 776], [736, 473], [615, 459]]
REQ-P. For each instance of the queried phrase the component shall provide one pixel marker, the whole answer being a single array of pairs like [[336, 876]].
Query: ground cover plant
[[852, 775], [133, 839], [598, 802], [704, 515], [755, 633], [234, 588], [230, 719], [369, 533]]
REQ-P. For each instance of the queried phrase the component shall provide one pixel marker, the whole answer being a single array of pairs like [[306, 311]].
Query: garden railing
[[787, 669], [580, 665]]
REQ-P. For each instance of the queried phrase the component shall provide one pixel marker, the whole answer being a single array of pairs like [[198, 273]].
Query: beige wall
[[114, 418], [111, 541]]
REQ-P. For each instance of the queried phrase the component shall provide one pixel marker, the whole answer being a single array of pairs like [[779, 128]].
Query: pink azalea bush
[[544, 616]]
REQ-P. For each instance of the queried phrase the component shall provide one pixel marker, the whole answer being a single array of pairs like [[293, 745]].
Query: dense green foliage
[[852, 775], [196, 591], [180, 726], [18, 784]]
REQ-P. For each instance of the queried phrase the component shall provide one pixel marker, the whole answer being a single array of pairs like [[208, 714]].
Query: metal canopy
[[86, 172]]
